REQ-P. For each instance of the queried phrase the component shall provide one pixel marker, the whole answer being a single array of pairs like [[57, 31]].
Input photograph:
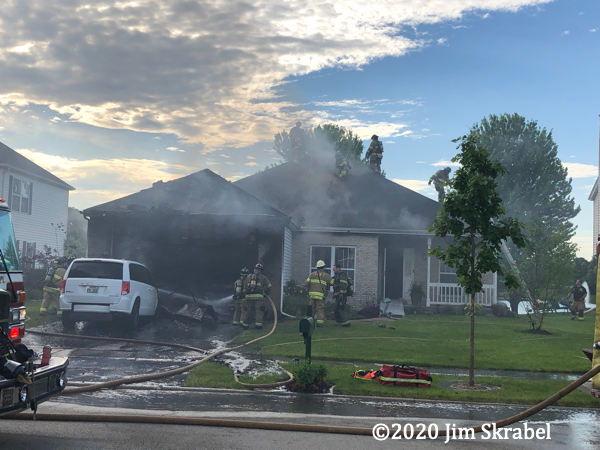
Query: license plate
[[92, 289]]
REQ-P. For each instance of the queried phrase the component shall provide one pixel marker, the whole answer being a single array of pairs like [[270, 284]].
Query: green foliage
[[295, 299], [293, 289], [536, 184], [416, 288], [547, 267], [587, 271], [322, 138], [307, 374], [472, 213], [475, 310]]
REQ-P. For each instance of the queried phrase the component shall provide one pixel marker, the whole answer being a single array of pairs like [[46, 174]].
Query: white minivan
[[103, 289]]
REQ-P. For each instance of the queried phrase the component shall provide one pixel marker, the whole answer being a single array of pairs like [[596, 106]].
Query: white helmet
[[320, 264]]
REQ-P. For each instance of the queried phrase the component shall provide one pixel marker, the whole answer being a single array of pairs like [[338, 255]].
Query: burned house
[[195, 233], [374, 227]]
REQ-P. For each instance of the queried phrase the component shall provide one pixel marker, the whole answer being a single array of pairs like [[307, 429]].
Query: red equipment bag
[[404, 376]]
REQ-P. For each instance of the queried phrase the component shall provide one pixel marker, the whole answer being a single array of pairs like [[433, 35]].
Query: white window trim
[[332, 259], [22, 182], [440, 273]]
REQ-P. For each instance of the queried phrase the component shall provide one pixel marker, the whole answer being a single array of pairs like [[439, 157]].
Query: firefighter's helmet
[[320, 264], [244, 271], [259, 266], [374, 137], [448, 169], [298, 123]]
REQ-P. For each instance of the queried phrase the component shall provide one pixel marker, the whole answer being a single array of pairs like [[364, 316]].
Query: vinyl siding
[[49, 208]]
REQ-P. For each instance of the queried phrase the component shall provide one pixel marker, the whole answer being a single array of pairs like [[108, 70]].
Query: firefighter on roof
[[256, 286], [239, 296], [341, 166], [438, 179], [318, 284], [52, 282], [375, 153]]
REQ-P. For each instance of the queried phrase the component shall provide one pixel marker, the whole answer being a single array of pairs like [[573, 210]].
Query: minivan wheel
[[134, 317], [67, 320]]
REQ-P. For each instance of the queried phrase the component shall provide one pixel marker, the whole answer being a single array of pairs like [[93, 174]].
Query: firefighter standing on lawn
[[256, 286], [54, 277], [578, 303], [375, 153], [318, 284], [239, 296], [340, 295]]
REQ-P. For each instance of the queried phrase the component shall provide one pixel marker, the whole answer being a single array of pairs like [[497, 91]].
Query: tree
[[328, 137], [76, 241], [472, 213], [536, 183], [547, 267]]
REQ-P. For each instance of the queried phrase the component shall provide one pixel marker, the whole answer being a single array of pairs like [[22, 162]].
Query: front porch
[[404, 260]]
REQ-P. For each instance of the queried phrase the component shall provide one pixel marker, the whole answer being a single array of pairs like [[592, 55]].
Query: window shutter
[[9, 198], [30, 196]]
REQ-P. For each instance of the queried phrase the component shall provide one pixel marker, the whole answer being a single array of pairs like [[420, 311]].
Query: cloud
[[250, 157], [442, 41], [421, 162], [175, 149], [204, 71], [566, 32], [225, 156], [251, 164], [446, 163], [415, 185], [91, 177], [593, 30], [577, 170]]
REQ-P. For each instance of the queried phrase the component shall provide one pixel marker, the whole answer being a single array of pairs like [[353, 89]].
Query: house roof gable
[[312, 197], [15, 160]]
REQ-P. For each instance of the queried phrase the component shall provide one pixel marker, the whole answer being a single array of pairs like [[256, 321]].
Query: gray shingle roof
[[202, 192], [14, 159], [364, 200]]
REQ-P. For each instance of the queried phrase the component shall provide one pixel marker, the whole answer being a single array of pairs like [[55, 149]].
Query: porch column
[[428, 269], [495, 298]]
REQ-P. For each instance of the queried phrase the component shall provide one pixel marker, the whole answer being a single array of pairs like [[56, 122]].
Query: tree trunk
[[514, 299], [472, 355]]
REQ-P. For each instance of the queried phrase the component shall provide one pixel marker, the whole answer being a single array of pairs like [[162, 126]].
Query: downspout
[[428, 300], [282, 263]]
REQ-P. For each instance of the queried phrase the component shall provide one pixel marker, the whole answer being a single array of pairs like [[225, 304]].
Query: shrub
[[295, 299], [501, 310], [307, 375]]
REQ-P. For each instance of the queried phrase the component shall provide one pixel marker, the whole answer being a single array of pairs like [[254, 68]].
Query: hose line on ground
[[290, 426], [168, 373]]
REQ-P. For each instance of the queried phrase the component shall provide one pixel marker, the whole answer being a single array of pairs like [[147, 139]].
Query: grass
[[443, 341], [215, 375], [33, 314], [514, 391]]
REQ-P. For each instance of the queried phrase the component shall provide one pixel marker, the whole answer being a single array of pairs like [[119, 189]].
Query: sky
[[112, 96]]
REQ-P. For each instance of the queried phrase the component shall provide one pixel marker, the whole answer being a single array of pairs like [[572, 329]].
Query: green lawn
[[33, 314], [215, 375], [442, 341]]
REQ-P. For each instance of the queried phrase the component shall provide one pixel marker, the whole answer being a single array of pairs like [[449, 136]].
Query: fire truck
[[40, 378]]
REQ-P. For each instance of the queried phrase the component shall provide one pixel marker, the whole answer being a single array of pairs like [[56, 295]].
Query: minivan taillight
[[63, 283], [125, 288]]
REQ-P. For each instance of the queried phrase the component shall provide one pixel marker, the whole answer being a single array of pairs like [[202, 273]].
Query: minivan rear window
[[105, 270]]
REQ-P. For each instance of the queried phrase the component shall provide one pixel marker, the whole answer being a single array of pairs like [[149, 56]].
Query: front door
[[408, 270]]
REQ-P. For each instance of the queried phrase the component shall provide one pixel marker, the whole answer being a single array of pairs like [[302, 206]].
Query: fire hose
[[261, 425], [168, 373]]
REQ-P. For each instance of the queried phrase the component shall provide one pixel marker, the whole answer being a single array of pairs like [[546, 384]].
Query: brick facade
[[367, 253]]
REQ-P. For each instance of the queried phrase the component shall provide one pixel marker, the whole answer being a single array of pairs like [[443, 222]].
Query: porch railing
[[451, 294]]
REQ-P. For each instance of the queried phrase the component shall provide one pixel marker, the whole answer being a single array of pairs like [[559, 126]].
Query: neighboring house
[[596, 199], [39, 202], [197, 232]]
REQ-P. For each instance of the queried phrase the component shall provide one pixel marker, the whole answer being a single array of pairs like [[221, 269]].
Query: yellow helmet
[[320, 264]]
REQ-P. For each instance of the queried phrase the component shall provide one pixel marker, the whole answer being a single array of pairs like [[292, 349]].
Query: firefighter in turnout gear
[[256, 287], [341, 167], [318, 284], [578, 303], [340, 295], [297, 143], [375, 153], [438, 180], [239, 296], [54, 277]]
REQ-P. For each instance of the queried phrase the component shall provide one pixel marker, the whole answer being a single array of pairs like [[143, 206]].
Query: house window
[[447, 274], [21, 196], [344, 256]]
